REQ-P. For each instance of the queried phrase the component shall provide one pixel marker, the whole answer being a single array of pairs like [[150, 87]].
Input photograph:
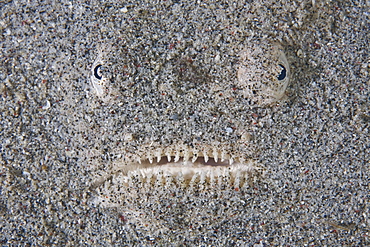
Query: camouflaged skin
[[184, 127]]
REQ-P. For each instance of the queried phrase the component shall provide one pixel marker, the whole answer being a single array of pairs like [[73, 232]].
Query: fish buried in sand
[[186, 131]]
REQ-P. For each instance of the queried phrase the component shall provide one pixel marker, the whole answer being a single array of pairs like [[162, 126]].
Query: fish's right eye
[[282, 74], [97, 72]]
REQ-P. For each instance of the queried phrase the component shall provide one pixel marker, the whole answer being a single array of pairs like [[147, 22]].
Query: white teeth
[[186, 155], [192, 181], [223, 156], [219, 178], [158, 154], [195, 157], [231, 161], [215, 153], [202, 178], [211, 178], [206, 158], [168, 154], [177, 157]]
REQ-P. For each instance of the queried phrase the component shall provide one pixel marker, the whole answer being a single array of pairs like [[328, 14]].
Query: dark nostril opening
[[282, 74], [97, 72]]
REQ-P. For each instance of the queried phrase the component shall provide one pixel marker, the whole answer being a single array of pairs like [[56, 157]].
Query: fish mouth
[[190, 173], [166, 171], [181, 168], [206, 161], [182, 155]]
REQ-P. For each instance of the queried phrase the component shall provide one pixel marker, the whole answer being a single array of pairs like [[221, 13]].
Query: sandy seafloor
[[315, 146]]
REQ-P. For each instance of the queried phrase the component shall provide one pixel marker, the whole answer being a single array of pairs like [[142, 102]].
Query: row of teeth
[[217, 176], [189, 155]]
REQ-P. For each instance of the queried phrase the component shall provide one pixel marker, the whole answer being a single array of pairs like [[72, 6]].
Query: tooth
[[140, 172], [177, 157], [231, 161], [211, 177], [150, 158], [215, 153], [195, 157], [205, 156], [168, 154], [222, 156], [202, 177], [186, 155], [219, 178], [159, 156], [192, 181]]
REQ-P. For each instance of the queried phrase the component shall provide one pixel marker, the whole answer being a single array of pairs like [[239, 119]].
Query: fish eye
[[282, 74], [97, 72]]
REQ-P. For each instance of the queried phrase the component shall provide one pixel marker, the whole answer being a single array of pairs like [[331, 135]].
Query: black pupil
[[97, 72], [282, 73]]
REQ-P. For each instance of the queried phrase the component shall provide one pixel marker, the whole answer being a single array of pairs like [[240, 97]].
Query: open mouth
[[182, 171], [206, 161], [171, 181]]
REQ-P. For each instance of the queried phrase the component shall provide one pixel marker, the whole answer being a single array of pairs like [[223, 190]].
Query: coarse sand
[[60, 141]]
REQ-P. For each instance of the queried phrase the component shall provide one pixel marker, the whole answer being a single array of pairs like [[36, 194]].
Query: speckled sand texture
[[60, 142]]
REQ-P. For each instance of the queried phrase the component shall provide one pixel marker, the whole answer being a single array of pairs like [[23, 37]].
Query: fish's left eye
[[97, 72], [282, 74]]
